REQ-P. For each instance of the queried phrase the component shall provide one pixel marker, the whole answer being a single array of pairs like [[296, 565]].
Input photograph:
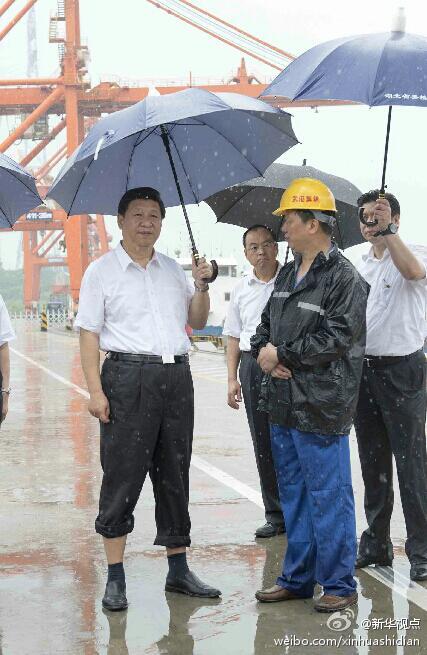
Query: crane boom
[[225, 32]]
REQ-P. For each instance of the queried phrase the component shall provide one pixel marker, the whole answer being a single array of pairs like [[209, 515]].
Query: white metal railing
[[59, 318]]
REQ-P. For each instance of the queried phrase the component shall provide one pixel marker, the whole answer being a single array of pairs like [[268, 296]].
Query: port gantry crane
[[75, 105]]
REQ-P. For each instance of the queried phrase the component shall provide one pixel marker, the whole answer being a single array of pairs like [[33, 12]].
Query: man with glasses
[[391, 412], [247, 301], [134, 304]]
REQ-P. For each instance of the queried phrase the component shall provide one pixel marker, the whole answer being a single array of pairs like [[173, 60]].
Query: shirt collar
[[370, 255], [253, 279], [125, 260], [320, 258]]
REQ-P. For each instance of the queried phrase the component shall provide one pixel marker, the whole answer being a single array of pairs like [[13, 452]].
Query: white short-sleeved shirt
[[396, 311], [136, 309], [6, 331], [247, 301]]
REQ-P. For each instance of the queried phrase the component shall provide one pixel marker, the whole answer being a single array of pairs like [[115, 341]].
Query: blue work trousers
[[314, 478]]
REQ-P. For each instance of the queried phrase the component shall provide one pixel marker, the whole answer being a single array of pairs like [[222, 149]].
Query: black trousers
[[150, 430], [250, 375], [390, 420]]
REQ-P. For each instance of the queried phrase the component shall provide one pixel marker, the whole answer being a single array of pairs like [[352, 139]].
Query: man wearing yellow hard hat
[[310, 345]]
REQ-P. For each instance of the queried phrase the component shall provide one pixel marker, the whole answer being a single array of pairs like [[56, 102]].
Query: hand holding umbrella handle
[[213, 263]]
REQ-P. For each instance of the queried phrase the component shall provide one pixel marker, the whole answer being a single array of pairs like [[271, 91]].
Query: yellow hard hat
[[306, 193]]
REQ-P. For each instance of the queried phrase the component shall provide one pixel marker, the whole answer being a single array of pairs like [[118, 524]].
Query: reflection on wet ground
[[52, 569]]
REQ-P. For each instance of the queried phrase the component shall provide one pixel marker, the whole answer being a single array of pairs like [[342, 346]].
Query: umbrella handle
[[213, 263], [214, 271]]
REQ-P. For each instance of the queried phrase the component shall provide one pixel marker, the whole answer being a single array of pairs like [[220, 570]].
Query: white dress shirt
[[247, 301], [396, 311], [6, 331], [136, 309]]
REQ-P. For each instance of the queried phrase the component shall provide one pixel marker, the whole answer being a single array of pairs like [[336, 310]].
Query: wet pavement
[[52, 569]]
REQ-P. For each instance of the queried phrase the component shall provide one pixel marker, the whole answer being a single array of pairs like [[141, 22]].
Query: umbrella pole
[[165, 139], [382, 190]]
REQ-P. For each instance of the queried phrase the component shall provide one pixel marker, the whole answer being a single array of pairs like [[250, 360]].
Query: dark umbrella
[[18, 193], [253, 202], [187, 145], [374, 69]]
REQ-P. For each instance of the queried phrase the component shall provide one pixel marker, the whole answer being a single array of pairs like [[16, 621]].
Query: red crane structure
[[72, 102]]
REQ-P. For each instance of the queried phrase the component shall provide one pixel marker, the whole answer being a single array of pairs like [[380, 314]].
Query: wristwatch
[[205, 288], [8, 390], [390, 229]]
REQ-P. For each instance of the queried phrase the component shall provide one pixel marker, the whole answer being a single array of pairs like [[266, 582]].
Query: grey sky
[[133, 39]]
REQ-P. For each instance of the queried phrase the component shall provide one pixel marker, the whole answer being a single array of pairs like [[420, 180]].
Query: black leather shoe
[[269, 530], [363, 560], [418, 572], [190, 585], [115, 596]]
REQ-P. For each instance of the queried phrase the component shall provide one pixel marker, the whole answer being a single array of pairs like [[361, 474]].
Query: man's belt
[[146, 359], [387, 360]]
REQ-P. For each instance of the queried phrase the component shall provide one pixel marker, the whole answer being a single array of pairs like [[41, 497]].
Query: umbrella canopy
[[253, 202], [374, 69], [215, 140], [18, 193]]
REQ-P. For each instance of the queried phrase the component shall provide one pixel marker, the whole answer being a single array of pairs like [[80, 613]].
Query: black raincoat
[[319, 329]]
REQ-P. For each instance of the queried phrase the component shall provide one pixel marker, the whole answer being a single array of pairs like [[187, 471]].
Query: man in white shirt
[[391, 412], [6, 334], [247, 302], [134, 304]]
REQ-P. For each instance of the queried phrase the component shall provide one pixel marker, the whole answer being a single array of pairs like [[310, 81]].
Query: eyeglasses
[[267, 245]]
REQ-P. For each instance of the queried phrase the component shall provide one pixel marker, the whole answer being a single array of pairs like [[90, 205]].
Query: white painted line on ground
[[67, 383], [228, 480], [412, 591], [391, 578]]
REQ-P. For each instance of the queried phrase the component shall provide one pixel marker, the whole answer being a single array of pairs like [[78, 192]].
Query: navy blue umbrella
[[373, 69], [18, 193], [187, 145]]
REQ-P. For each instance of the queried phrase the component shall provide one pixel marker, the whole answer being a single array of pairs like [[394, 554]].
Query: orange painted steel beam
[[17, 18], [216, 36], [32, 81], [23, 225], [51, 163], [16, 100], [106, 99], [49, 246], [43, 262], [240, 31], [42, 145], [40, 111], [75, 228], [102, 233], [41, 243], [31, 271], [252, 90], [6, 6], [34, 226]]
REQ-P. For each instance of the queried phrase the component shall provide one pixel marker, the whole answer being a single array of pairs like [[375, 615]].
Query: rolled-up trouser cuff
[[113, 531], [172, 540]]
